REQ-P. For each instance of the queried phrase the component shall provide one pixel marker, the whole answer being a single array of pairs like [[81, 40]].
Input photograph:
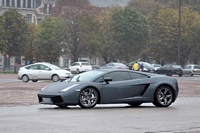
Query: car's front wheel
[[55, 78], [163, 96], [34, 80], [25, 78], [88, 98]]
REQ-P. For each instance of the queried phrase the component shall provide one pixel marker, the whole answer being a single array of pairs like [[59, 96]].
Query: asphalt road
[[182, 116]]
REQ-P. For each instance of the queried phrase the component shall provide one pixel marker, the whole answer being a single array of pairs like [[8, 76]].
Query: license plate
[[46, 100], [177, 72]]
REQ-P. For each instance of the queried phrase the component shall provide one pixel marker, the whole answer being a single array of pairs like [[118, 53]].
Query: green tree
[[76, 16], [143, 6], [29, 47], [48, 40], [3, 37], [164, 33], [14, 28], [130, 33]]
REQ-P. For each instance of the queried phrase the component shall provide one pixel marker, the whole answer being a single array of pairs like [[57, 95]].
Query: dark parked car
[[170, 70], [108, 86]]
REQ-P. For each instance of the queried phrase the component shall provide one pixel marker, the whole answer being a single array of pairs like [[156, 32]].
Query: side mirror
[[107, 79], [47, 69]]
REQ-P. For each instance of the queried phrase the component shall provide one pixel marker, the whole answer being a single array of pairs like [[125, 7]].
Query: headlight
[[43, 88], [66, 89]]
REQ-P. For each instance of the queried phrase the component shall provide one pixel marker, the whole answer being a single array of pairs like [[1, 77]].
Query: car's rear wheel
[[169, 74], [55, 78], [34, 80], [180, 75], [163, 96], [135, 104], [88, 98], [25, 78], [191, 74], [77, 71]]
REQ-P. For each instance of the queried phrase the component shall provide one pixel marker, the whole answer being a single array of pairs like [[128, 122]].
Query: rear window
[[197, 67], [177, 66], [85, 64]]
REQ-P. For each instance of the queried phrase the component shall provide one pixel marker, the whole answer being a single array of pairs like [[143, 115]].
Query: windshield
[[54, 67], [119, 64], [86, 76], [146, 64]]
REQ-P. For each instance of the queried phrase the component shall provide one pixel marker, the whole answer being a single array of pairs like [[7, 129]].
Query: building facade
[[33, 10]]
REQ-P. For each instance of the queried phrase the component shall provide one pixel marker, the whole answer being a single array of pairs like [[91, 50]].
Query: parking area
[[15, 92]]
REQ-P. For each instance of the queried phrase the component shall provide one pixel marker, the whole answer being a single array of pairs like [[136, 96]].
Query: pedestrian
[[141, 67], [136, 66], [15, 68]]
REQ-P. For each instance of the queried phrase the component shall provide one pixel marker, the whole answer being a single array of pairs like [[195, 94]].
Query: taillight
[[80, 65], [119, 67]]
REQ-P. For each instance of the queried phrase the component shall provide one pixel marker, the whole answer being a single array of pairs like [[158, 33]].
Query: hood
[[58, 86]]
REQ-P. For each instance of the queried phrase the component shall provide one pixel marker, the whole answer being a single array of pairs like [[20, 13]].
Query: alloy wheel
[[163, 97], [88, 98]]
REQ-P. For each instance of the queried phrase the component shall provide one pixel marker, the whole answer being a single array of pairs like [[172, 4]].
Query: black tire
[[25, 78], [169, 74], [77, 71], [88, 98], [180, 75], [135, 104], [191, 74], [55, 78], [34, 80], [163, 96]]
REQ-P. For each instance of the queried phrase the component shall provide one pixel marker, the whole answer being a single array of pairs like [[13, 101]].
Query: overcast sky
[[106, 3]]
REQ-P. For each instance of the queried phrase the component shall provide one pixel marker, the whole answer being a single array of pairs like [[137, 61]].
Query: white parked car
[[79, 67], [156, 66], [42, 71]]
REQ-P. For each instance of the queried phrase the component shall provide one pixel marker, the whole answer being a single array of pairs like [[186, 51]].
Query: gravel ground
[[20, 93]]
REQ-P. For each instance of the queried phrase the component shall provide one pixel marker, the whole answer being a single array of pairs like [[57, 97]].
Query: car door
[[74, 66], [32, 72], [186, 70], [44, 72], [121, 89], [161, 70]]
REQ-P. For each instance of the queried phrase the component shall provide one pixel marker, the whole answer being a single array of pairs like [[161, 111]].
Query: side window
[[100, 79], [33, 67], [189, 67], [118, 76], [43, 67], [137, 75]]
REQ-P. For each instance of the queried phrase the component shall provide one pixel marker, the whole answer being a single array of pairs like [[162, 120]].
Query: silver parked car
[[114, 65], [191, 69], [42, 71]]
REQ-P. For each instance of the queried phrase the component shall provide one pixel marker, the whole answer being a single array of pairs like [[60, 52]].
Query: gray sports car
[[105, 86]]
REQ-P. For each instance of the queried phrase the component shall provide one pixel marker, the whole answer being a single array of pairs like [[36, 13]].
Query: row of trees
[[142, 29]]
